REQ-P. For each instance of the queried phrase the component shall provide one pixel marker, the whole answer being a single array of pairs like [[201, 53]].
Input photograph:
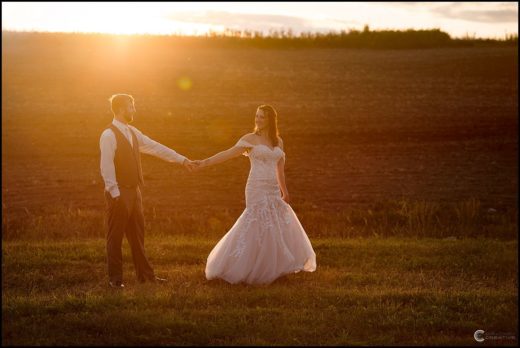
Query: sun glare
[[190, 18], [111, 18]]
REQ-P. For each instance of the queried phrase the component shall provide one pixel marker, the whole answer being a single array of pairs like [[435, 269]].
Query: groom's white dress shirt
[[108, 145]]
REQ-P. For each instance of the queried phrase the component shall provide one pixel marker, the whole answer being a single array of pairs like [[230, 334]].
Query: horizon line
[[507, 36]]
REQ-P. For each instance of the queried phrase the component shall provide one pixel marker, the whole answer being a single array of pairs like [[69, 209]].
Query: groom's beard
[[128, 117]]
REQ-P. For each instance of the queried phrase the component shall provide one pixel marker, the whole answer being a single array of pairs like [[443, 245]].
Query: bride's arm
[[222, 156], [280, 175]]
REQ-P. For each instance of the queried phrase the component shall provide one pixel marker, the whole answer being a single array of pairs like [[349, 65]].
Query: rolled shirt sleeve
[[152, 147]]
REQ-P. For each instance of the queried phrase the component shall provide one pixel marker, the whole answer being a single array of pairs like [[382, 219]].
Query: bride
[[267, 241]]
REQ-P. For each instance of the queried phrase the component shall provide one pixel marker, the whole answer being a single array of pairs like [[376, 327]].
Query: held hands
[[193, 166], [189, 165], [199, 164]]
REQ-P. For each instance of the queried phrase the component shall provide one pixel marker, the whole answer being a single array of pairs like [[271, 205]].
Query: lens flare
[[184, 83]]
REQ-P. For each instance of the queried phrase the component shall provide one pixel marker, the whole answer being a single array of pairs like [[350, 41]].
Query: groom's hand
[[189, 165], [198, 164]]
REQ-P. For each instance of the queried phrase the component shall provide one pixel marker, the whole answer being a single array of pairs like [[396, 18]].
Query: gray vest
[[127, 160]]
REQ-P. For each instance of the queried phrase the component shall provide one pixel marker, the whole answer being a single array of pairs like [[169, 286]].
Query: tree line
[[366, 38]]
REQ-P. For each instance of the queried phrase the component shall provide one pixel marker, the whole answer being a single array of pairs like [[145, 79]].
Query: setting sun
[[111, 18]]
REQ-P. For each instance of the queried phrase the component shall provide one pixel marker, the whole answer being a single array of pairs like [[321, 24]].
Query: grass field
[[365, 292]]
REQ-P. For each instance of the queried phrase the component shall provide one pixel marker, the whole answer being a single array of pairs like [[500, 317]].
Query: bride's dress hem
[[242, 281]]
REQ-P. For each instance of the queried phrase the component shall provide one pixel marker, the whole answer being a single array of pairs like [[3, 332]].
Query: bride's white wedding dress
[[267, 241]]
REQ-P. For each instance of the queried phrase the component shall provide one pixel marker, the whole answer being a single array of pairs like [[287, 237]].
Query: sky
[[479, 19]]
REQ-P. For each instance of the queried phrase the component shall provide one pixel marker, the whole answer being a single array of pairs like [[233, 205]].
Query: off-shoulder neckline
[[274, 148], [253, 145]]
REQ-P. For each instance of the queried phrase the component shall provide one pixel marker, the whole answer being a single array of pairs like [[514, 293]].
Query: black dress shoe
[[157, 280], [116, 285]]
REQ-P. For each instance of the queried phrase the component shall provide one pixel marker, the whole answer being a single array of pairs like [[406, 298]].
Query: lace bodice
[[263, 160]]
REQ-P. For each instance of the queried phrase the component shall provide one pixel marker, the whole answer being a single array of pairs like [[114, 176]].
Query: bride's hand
[[286, 198], [188, 164], [199, 164]]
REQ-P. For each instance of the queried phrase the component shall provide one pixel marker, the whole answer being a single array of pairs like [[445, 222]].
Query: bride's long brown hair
[[272, 124]]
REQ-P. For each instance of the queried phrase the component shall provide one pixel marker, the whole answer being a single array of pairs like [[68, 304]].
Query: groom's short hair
[[118, 101]]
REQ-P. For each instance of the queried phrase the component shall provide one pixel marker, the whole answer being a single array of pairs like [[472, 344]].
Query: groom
[[120, 146]]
